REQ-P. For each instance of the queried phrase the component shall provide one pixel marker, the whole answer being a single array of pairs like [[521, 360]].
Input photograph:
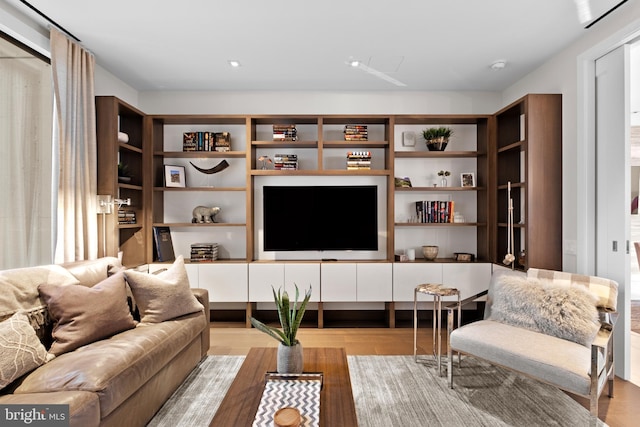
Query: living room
[[558, 74]]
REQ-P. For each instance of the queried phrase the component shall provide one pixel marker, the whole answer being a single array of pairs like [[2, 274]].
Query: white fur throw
[[565, 312]]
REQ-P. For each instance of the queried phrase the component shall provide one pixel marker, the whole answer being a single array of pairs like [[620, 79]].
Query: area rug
[[395, 391]]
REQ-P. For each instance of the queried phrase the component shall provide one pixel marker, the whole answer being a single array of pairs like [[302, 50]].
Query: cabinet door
[[262, 277], [338, 282], [192, 272], [303, 275], [375, 282], [470, 278], [225, 282], [406, 276]]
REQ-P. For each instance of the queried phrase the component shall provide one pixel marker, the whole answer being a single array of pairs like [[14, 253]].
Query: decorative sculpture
[[217, 168], [203, 214]]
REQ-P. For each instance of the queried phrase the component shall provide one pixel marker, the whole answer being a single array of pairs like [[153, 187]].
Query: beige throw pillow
[[20, 349], [163, 296], [84, 315], [565, 312]]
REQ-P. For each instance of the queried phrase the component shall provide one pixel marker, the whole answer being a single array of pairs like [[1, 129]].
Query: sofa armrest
[[202, 295]]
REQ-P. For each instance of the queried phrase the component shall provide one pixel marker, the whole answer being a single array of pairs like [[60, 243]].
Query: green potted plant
[[289, 349], [437, 138], [124, 175]]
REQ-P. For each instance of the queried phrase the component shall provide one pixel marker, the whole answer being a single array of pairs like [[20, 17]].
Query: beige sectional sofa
[[121, 379]]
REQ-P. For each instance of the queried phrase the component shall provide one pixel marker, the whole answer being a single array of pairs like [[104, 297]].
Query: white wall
[[319, 102], [106, 84], [560, 75]]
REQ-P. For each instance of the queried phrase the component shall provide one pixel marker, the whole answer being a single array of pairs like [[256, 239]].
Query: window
[[26, 158]]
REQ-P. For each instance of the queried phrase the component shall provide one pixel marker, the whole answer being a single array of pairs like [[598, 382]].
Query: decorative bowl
[[430, 252]]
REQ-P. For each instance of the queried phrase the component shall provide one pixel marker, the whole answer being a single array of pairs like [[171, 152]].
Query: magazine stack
[[204, 252], [285, 162], [356, 133], [285, 133], [126, 216], [358, 160]]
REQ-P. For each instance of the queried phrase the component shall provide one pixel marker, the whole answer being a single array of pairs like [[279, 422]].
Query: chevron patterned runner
[[304, 395]]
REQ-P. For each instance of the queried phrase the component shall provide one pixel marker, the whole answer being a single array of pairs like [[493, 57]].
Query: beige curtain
[[75, 137]]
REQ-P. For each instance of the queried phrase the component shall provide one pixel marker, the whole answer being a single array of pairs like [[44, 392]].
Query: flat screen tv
[[320, 218]]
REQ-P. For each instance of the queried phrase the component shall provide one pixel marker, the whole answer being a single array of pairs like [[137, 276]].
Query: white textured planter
[[290, 359]]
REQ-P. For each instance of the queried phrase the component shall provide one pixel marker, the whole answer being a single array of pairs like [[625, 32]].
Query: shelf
[[200, 154], [130, 186], [511, 146], [445, 189], [284, 144], [440, 224], [513, 185], [191, 224], [355, 144], [199, 189], [435, 154], [129, 225], [129, 147], [337, 172]]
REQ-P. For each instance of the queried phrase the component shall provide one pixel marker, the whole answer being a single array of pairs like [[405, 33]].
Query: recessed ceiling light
[[354, 63], [234, 63], [499, 64]]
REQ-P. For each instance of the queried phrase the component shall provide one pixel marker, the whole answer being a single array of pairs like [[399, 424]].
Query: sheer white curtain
[[75, 137], [25, 158]]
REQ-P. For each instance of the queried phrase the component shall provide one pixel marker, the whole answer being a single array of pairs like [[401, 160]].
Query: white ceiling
[[432, 45]]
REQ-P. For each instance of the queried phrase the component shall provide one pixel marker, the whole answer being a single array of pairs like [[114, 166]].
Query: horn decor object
[[217, 168]]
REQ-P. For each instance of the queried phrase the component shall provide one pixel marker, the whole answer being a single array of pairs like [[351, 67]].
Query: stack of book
[[356, 133], [206, 141], [285, 133], [434, 211], [126, 216], [204, 252], [285, 162], [358, 160]]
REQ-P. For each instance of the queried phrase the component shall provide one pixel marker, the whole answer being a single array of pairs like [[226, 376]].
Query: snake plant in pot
[[289, 349]]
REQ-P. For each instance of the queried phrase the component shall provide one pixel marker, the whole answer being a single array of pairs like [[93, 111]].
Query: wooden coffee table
[[337, 408]]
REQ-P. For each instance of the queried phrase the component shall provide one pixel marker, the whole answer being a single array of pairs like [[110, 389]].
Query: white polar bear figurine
[[203, 214]]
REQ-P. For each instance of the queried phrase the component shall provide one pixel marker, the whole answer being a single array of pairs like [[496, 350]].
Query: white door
[[613, 189]]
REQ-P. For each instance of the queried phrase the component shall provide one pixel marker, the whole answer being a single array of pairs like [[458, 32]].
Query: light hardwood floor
[[231, 339]]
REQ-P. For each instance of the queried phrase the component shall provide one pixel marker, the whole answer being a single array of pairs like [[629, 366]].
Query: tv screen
[[320, 218]]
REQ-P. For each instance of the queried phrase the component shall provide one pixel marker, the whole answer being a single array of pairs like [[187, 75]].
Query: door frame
[[586, 164]]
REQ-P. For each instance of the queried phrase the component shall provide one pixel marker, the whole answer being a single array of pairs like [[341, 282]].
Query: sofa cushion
[[163, 296], [559, 362], [565, 312], [20, 349], [116, 367], [20, 292], [83, 315], [91, 272]]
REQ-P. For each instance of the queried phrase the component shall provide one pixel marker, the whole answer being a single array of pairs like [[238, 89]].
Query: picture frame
[[467, 179], [174, 176]]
